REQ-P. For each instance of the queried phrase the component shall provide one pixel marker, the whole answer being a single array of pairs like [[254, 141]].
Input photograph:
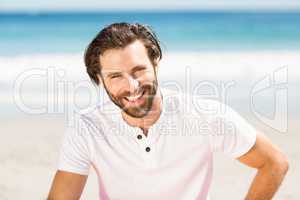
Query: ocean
[[69, 32], [243, 46]]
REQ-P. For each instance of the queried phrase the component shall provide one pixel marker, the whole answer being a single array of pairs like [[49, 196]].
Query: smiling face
[[129, 78]]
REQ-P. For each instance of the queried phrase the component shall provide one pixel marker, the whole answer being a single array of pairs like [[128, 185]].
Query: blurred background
[[245, 53]]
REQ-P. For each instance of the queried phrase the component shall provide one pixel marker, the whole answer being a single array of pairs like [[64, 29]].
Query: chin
[[136, 114]]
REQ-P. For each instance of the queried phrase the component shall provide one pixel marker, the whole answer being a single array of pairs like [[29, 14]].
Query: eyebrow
[[136, 68]]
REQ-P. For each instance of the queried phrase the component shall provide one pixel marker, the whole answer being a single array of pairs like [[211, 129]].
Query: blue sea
[[257, 43], [70, 32]]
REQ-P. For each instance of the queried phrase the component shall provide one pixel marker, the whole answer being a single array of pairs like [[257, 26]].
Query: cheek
[[111, 88], [117, 87], [147, 77]]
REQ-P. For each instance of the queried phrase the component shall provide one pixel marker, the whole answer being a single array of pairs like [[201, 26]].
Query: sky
[[60, 5]]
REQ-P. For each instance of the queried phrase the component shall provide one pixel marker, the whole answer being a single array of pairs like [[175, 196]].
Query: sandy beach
[[30, 142], [29, 150]]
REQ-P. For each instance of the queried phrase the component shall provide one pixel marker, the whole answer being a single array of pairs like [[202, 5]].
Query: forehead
[[126, 58]]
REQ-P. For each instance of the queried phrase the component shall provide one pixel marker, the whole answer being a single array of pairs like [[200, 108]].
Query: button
[[139, 137], [148, 149]]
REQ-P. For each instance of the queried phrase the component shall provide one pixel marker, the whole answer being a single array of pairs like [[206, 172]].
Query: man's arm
[[67, 186], [271, 165]]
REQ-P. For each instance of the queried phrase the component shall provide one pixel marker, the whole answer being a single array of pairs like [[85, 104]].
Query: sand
[[29, 150], [30, 143]]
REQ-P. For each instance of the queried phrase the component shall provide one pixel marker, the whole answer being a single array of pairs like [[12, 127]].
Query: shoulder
[[96, 120]]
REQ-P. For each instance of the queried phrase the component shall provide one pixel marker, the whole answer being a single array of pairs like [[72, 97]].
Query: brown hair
[[118, 36]]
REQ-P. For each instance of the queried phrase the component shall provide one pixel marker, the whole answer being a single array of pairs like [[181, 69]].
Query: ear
[[156, 68]]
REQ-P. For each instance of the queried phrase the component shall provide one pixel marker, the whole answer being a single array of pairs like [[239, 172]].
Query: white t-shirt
[[173, 162]]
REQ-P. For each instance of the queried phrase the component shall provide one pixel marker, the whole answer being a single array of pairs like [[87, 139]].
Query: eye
[[115, 76], [140, 70]]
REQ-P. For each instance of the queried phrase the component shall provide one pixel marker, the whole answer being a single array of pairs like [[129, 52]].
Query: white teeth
[[133, 98]]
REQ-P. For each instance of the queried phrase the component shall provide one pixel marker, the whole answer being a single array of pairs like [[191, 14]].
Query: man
[[143, 143]]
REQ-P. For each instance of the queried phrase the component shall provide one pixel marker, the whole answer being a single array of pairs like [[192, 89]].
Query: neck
[[148, 120]]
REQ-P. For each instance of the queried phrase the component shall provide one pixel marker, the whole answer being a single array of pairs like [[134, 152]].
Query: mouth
[[136, 99]]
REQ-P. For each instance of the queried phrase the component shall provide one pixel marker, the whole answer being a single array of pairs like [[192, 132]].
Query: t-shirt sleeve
[[230, 132], [74, 153]]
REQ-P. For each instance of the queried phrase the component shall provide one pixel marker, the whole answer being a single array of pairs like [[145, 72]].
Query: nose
[[133, 84]]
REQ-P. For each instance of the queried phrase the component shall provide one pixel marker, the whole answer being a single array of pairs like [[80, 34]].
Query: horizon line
[[150, 10]]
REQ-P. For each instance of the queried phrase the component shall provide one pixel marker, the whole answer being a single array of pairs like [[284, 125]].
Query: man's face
[[129, 78]]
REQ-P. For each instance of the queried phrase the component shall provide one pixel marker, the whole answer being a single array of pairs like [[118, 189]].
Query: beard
[[148, 91]]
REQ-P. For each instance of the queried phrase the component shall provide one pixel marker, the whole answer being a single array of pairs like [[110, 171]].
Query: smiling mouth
[[136, 98]]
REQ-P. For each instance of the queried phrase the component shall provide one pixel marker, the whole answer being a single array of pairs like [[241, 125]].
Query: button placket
[[147, 144], [142, 141], [149, 149]]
